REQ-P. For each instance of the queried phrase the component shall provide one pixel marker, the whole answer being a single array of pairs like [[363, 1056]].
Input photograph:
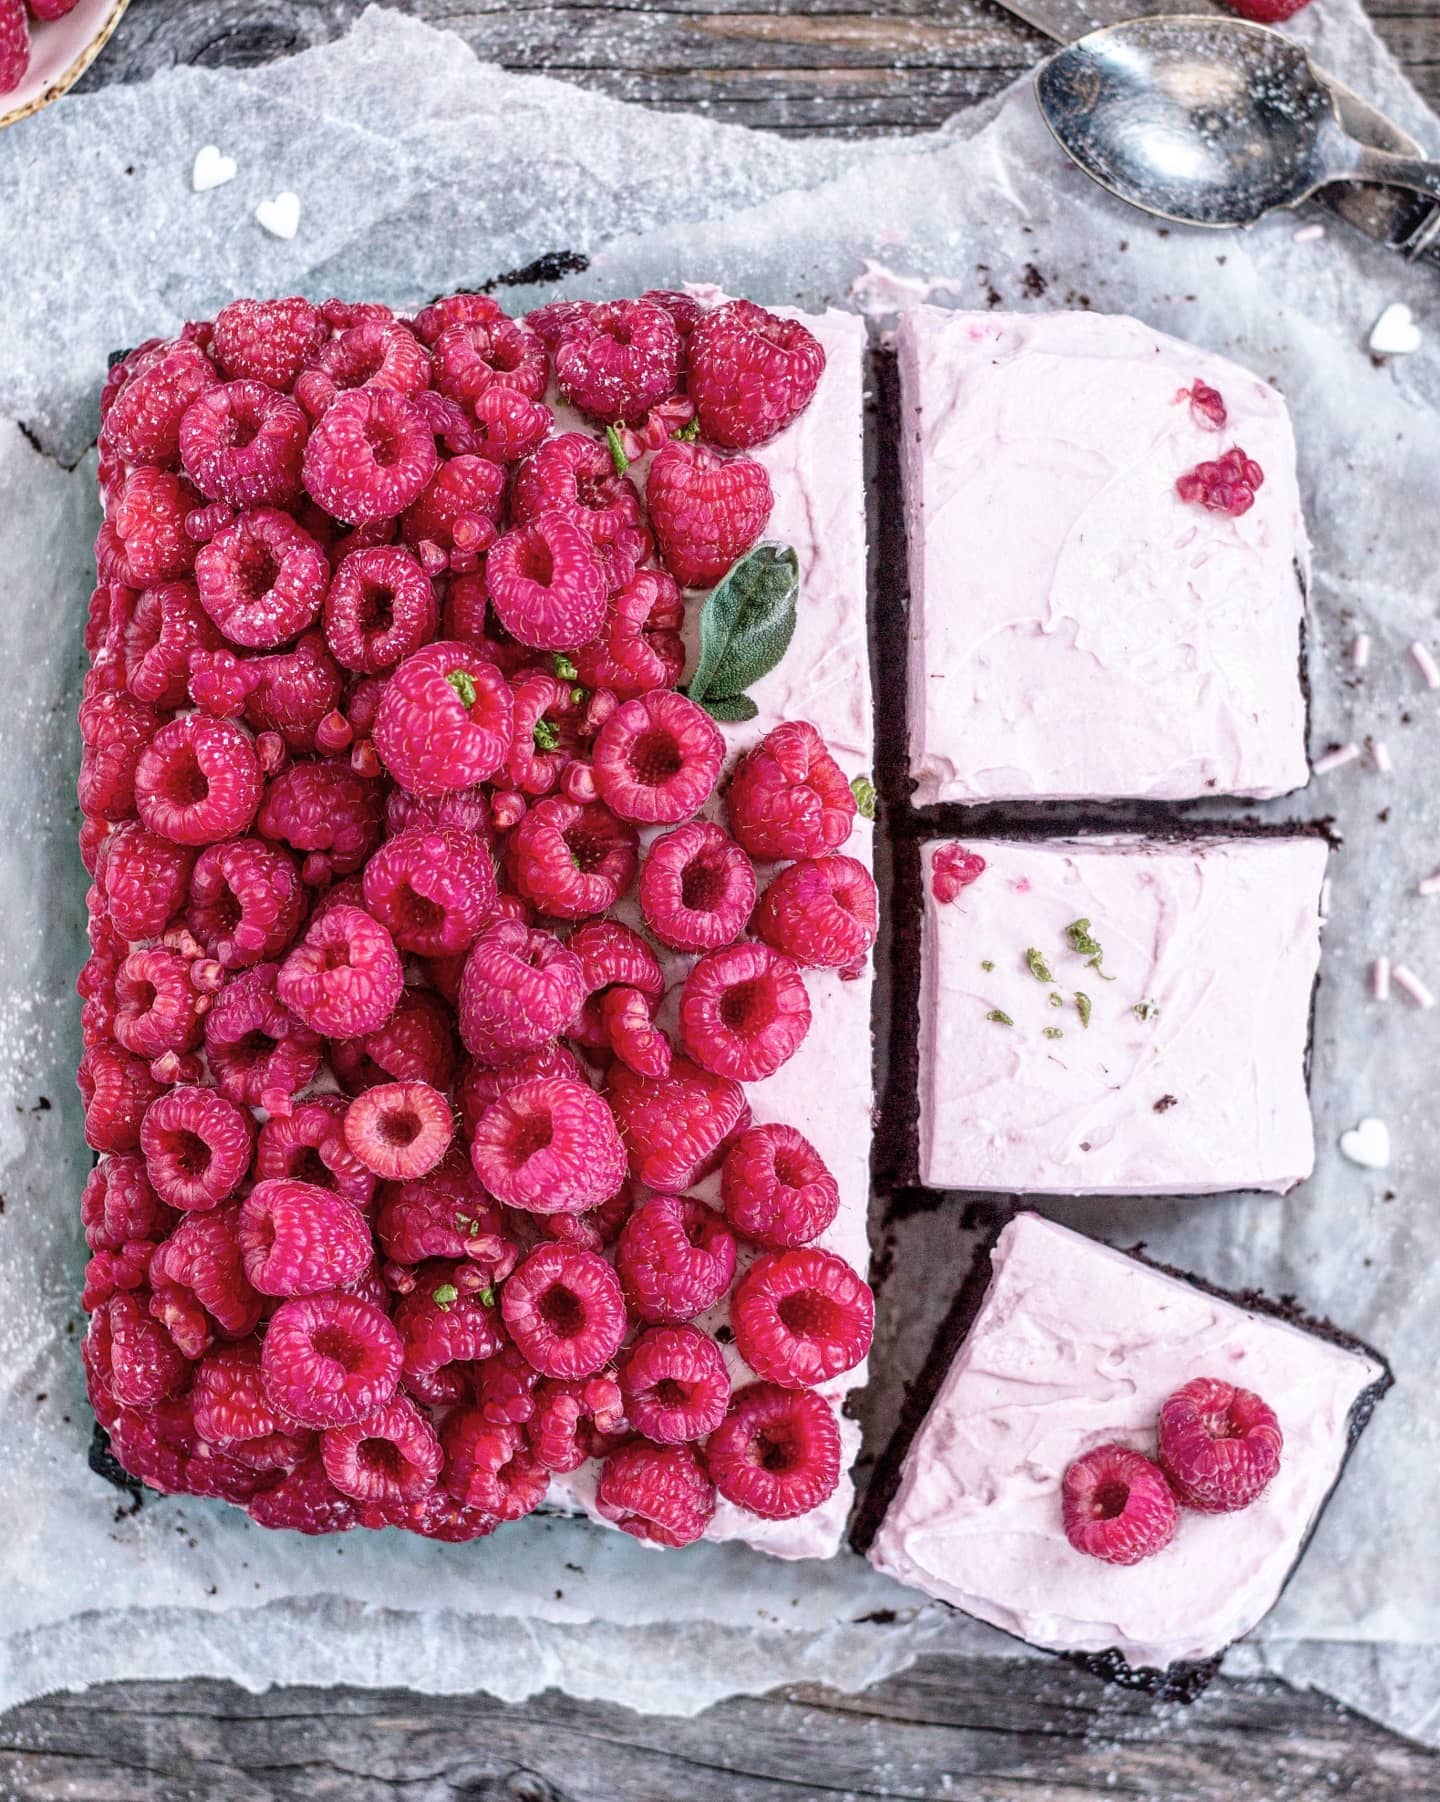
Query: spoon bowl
[[1205, 120]]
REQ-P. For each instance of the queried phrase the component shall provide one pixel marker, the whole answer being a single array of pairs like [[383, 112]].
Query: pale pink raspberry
[[658, 1493], [658, 758], [697, 888], [262, 579], [549, 1146], [259, 1054], [570, 861], [299, 1239], [198, 780], [744, 1011], [445, 720], [345, 977], [197, 1146], [246, 901], [380, 609], [564, 1310], [520, 988], [676, 1258], [547, 583], [674, 1383], [776, 1188], [400, 1130], [433, 888]]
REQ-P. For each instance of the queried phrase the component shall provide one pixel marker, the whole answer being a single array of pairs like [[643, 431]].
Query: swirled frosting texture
[[1076, 629], [1076, 1345], [1189, 1077]]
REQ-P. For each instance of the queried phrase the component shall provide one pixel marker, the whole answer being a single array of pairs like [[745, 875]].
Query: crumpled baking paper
[[420, 170]]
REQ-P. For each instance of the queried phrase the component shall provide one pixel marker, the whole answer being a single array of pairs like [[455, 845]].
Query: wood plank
[[984, 1729]]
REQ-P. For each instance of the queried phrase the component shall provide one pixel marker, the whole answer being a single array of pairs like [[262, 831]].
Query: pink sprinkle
[[1410, 984], [1380, 979], [1335, 760], [1360, 651], [1430, 886], [1426, 664], [1380, 756]]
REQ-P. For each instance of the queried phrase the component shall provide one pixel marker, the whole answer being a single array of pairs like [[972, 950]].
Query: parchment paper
[[420, 170]]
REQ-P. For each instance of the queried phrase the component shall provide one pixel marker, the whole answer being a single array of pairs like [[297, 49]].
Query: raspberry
[[802, 1317], [505, 1388], [824, 912], [136, 1356], [707, 511], [262, 579], [229, 1405], [1266, 12], [697, 888], [433, 888], [326, 810], [954, 868], [1219, 1446], [345, 977], [776, 1189], [657, 759], [1226, 485], [167, 626], [639, 646], [416, 1044], [482, 1085], [114, 731], [380, 609], [445, 720], [149, 525], [246, 901], [455, 309], [449, 1317], [329, 1360], [572, 1419], [241, 443], [458, 511], [547, 583], [657, 1493], [391, 1455], [1207, 404], [299, 1239], [375, 353], [304, 1501], [400, 1130], [309, 1146], [293, 691], [142, 424], [446, 1215], [676, 1128], [156, 1006], [789, 797], [549, 1146], [674, 1383], [751, 373], [572, 862], [489, 1467], [474, 355], [744, 1011], [564, 1310], [440, 1516], [468, 810], [627, 1019], [610, 952], [198, 780], [197, 1146], [507, 424], [545, 734], [676, 1258], [116, 1090], [369, 457], [575, 474], [520, 988], [119, 1205], [777, 1452], [619, 359], [200, 1284], [259, 1055], [1117, 1505], [268, 340]]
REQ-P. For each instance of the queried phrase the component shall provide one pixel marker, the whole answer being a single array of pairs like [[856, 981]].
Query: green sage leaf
[[746, 623], [730, 710]]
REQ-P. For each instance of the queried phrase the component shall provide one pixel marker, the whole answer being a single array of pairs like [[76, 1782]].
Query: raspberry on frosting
[[776, 1189], [743, 1011], [197, 1146], [676, 1127], [549, 1146], [1117, 1505], [547, 583], [1219, 1446], [299, 1239], [198, 780], [380, 608], [676, 1258], [432, 888], [369, 456], [802, 1317], [444, 721], [262, 580], [823, 911], [399, 1130], [241, 443], [619, 359], [658, 1493], [789, 797], [572, 861], [707, 510], [674, 1383], [564, 1310], [697, 888], [777, 1451], [751, 373], [329, 1360], [657, 758], [344, 977], [392, 1455]]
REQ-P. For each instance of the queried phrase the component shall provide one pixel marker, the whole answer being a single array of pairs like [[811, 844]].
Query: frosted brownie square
[[1075, 1347], [1118, 1016], [1077, 629]]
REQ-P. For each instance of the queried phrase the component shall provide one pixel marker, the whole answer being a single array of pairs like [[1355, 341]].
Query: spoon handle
[[1369, 165]]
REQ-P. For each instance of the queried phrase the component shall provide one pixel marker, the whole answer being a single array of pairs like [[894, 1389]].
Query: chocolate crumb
[[1165, 1103], [1033, 282]]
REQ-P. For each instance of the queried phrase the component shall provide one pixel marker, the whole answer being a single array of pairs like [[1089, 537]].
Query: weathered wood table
[[950, 1727]]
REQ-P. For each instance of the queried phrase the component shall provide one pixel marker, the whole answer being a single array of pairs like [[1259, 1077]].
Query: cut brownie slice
[[1072, 1347], [1118, 1016], [1077, 628]]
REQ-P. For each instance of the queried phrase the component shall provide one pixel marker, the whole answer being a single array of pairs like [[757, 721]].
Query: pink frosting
[[1076, 629], [1190, 1076], [1076, 1345]]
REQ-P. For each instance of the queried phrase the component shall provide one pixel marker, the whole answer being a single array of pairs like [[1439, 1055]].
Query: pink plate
[[60, 53]]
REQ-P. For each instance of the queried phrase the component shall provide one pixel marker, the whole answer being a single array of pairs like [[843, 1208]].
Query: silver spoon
[[1208, 121]]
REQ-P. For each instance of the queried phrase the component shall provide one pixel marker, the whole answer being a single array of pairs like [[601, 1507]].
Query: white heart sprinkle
[[212, 169], [280, 216], [1367, 1144], [1395, 333]]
